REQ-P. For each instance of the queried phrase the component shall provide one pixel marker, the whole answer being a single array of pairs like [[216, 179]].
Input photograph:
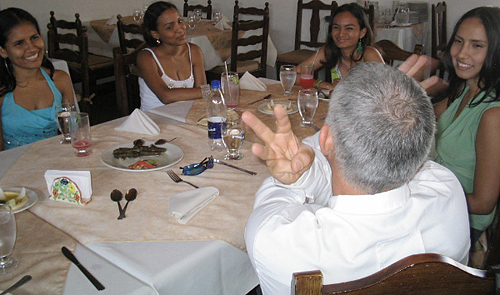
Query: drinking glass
[[197, 15], [230, 85], [191, 22], [7, 239], [402, 15], [307, 101], [63, 112], [233, 135], [137, 14], [217, 16], [306, 76], [79, 128], [287, 78]]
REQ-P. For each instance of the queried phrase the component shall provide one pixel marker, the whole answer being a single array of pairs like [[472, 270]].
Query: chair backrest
[[422, 274], [123, 29], [126, 80], [259, 22], [492, 256], [315, 6], [438, 29], [205, 9], [391, 52], [370, 12]]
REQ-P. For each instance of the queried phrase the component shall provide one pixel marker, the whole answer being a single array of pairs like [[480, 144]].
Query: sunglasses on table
[[198, 168]]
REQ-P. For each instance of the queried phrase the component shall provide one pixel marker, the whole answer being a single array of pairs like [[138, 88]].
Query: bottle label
[[215, 125]]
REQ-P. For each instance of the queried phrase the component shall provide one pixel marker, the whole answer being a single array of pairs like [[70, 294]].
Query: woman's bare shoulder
[[372, 55]]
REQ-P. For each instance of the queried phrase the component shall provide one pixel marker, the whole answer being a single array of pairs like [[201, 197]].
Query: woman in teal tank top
[[30, 88], [468, 128]]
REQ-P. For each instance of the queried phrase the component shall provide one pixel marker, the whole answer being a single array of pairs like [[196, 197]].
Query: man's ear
[[326, 140]]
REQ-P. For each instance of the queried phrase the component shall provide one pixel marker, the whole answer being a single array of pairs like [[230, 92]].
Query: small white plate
[[33, 197], [171, 157], [264, 108]]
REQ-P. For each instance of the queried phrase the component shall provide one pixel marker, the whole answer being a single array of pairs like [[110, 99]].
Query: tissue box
[[73, 187]]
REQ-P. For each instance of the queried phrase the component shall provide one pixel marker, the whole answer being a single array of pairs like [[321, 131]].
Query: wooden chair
[[253, 61], [391, 52], [438, 29], [73, 48], [299, 54], [422, 274], [126, 80], [492, 256], [205, 9], [128, 44]]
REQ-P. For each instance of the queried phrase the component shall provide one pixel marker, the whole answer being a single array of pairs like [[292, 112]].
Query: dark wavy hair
[[9, 19], [332, 52], [150, 22], [489, 76]]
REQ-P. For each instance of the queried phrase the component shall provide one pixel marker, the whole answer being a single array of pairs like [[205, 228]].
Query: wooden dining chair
[[124, 30], [126, 80], [438, 29], [391, 52], [71, 45], [204, 9], [299, 54], [492, 256], [422, 274], [247, 20]]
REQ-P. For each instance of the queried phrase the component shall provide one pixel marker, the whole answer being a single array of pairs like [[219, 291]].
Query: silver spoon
[[129, 196], [117, 196]]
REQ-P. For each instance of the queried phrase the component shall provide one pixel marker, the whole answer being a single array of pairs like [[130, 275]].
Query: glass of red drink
[[306, 76], [79, 128]]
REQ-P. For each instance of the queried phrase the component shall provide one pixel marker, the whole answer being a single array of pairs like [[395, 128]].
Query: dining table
[[214, 43], [149, 251]]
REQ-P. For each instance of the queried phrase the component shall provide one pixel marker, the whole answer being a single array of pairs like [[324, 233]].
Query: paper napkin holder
[[74, 187]]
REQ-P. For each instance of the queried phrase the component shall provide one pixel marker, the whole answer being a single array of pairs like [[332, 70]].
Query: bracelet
[[317, 85]]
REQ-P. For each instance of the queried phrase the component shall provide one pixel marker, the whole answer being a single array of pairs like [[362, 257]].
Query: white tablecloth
[[404, 37]]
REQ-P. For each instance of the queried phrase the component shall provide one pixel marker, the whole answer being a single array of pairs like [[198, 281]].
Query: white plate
[[263, 108], [33, 197], [321, 96], [171, 157]]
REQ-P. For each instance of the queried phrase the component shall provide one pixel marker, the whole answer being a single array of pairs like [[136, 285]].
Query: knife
[[264, 98], [89, 276], [237, 168], [19, 283]]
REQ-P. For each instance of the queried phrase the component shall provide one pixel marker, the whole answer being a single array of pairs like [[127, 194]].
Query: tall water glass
[[307, 76], [287, 78], [63, 112], [191, 22], [137, 14], [197, 14], [230, 84], [79, 128], [7, 239], [217, 15], [233, 135], [307, 101]]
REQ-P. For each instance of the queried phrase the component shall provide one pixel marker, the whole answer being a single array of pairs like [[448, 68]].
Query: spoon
[[129, 196], [117, 196]]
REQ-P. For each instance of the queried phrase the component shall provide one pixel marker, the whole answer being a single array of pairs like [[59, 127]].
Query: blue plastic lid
[[215, 84]]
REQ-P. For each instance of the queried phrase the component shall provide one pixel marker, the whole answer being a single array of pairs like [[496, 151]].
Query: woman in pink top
[[171, 69]]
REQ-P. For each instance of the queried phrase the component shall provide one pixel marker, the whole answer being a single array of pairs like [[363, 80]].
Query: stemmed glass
[[63, 112], [217, 16], [307, 101], [191, 21], [137, 14], [197, 15], [7, 239], [79, 128], [287, 77], [233, 135]]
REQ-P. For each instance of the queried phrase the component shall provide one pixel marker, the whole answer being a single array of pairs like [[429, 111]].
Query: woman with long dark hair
[[30, 88]]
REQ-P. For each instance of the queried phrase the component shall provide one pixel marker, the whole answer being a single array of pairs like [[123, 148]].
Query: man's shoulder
[[436, 177]]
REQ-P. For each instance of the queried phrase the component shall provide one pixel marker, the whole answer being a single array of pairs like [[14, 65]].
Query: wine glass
[[287, 77], [191, 21], [197, 15], [233, 135], [79, 128], [307, 101], [137, 14], [217, 16], [63, 111], [7, 239]]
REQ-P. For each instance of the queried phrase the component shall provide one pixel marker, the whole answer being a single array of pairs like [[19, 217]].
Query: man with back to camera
[[358, 195]]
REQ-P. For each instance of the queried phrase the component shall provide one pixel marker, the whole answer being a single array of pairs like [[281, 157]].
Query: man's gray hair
[[382, 123]]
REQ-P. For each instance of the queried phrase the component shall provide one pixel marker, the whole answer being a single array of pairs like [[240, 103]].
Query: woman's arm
[[198, 66], [487, 173], [63, 83], [150, 72]]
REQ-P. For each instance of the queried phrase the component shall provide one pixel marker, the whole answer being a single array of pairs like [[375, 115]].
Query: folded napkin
[[223, 24], [73, 187], [139, 122], [111, 20], [250, 82], [176, 110], [185, 205]]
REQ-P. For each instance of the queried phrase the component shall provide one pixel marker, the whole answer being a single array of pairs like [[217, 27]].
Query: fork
[[177, 179]]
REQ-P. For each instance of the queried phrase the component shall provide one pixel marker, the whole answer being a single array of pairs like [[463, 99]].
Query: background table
[[406, 37]]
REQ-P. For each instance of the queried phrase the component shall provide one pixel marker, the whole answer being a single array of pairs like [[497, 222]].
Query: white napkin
[[111, 20], [185, 205], [250, 82], [176, 110], [223, 24], [73, 187], [139, 122]]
